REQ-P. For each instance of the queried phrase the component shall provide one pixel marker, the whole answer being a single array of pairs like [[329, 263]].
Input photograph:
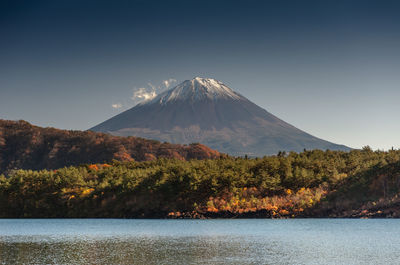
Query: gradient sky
[[331, 68]]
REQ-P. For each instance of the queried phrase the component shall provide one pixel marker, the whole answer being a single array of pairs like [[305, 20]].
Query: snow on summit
[[196, 89]]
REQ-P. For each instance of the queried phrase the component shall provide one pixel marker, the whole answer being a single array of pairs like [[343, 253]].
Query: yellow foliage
[[227, 208], [284, 212], [212, 209], [87, 191]]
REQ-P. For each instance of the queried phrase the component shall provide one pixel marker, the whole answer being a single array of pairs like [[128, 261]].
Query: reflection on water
[[112, 241]]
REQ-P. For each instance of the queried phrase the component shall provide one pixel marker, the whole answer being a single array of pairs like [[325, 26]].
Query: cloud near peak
[[167, 83], [148, 93], [116, 106], [143, 94]]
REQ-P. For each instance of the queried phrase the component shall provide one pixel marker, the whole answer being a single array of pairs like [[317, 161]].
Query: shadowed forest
[[25, 146]]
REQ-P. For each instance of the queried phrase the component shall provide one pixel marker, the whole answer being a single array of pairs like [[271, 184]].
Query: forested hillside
[[24, 146], [359, 183]]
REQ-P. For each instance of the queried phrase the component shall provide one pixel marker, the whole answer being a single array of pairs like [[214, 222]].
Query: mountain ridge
[[25, 146]]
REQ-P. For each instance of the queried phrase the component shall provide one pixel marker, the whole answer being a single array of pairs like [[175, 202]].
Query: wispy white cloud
[[167, 83], [143, 94], [116, 106], [153, 87], [150, 92]]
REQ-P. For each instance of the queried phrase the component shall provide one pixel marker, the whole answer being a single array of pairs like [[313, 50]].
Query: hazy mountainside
[[207, 111], [25, 146]]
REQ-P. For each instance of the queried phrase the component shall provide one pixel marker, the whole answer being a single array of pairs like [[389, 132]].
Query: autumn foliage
[[359, 183], [24, 146]]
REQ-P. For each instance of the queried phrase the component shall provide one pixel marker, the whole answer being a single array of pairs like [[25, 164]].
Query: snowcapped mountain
[[196, 89], [205, 110]]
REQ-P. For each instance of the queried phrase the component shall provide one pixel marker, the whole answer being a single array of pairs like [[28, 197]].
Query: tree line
[[312, 183]]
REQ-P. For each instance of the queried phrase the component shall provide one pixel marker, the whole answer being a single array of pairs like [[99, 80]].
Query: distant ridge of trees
[[25, 146]]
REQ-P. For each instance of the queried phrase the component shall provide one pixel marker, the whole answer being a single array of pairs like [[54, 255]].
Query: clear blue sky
[[331, 68]]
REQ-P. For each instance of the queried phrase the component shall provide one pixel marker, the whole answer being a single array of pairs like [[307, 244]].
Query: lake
[[221, 241]]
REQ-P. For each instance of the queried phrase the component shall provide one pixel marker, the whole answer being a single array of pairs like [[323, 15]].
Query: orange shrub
[[93, 167]]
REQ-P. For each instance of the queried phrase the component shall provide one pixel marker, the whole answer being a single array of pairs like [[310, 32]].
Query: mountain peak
[[205, 81], [196, 89], [207, 111]]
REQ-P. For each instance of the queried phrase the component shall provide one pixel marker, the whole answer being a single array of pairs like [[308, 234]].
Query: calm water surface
[[254, 241]]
